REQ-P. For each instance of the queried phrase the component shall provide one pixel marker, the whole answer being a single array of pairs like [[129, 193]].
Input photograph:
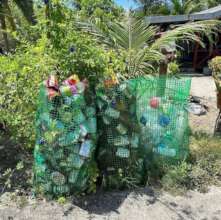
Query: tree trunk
[[4, 34], [8, 13], [163, 69], [162, 79], [27, 8], [47, 16], [3, 23], [145, 9]]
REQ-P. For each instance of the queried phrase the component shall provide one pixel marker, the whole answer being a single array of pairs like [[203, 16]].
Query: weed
[[201, 169], [62, 200]]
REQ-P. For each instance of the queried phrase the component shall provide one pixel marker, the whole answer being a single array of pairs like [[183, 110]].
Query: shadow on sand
[[104, 202]]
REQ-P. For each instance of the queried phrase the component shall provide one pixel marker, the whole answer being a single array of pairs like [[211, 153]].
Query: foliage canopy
[[61, 43]]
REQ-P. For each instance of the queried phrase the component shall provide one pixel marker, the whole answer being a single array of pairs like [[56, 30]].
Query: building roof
[[212, 13]]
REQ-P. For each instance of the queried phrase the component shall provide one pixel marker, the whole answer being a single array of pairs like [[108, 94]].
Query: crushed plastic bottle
[[164, 151]]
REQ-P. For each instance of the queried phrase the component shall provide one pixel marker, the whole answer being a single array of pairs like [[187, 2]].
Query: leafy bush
[[22, 73], [103, 9], [215, 66], [60, 49]]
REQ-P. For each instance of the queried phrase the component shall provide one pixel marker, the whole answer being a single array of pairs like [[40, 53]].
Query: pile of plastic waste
[[136, 124], [164, 118], [120, 155], [115, 134], [66, 138]]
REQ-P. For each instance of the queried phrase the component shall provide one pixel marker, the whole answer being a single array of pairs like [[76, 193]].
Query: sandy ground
[[204, 87], [144, 204], [140, 205]]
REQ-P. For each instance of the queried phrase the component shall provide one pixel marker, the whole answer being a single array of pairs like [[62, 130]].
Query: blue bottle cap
[[164, 120]]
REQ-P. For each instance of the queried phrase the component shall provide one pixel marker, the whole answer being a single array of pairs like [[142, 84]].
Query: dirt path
[[140, 205], [204, 87]]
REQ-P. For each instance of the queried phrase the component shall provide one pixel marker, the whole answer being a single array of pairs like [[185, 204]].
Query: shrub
[[215, 66], [22, 73], [60, 49]]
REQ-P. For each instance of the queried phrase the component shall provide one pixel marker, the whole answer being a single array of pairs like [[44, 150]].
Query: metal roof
[[212, 13]]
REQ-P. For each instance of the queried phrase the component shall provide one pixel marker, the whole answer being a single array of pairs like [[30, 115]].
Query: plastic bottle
[[165, 151]]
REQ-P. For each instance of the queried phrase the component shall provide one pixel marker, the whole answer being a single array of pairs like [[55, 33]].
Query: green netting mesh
[[138, 120], [66, 142]]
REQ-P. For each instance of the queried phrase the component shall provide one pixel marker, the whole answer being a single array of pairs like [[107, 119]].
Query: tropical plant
[[209, 3], [75, 50], [6, 16], [173, 68], [174, 7], [67, 51], [150, 7], [98, 8], [135, 41], [21, 74], [180, 7], [215, 66], [177, 7]]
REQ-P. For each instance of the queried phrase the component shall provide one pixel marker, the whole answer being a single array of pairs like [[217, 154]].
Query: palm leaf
[[190, 32], [136, 38], [177, 7], [190, 6]]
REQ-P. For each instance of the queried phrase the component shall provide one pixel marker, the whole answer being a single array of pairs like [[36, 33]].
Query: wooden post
[[163, 74], [169, 56]]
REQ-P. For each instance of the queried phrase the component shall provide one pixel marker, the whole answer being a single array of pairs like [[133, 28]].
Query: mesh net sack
[[120, 156], [66, 141], [162, 114], [139, 120]]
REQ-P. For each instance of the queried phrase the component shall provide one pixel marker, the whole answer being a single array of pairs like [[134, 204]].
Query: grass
[[200, 170]]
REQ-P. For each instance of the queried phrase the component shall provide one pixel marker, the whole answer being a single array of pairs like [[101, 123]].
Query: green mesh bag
[[66, 140], [140, 120], [120, 155], [161, 109]]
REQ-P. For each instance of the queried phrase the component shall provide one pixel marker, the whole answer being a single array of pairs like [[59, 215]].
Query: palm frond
[[177, 7], [191, 6], [100, 34], [131, 34], [137, 39], [190, 32]]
